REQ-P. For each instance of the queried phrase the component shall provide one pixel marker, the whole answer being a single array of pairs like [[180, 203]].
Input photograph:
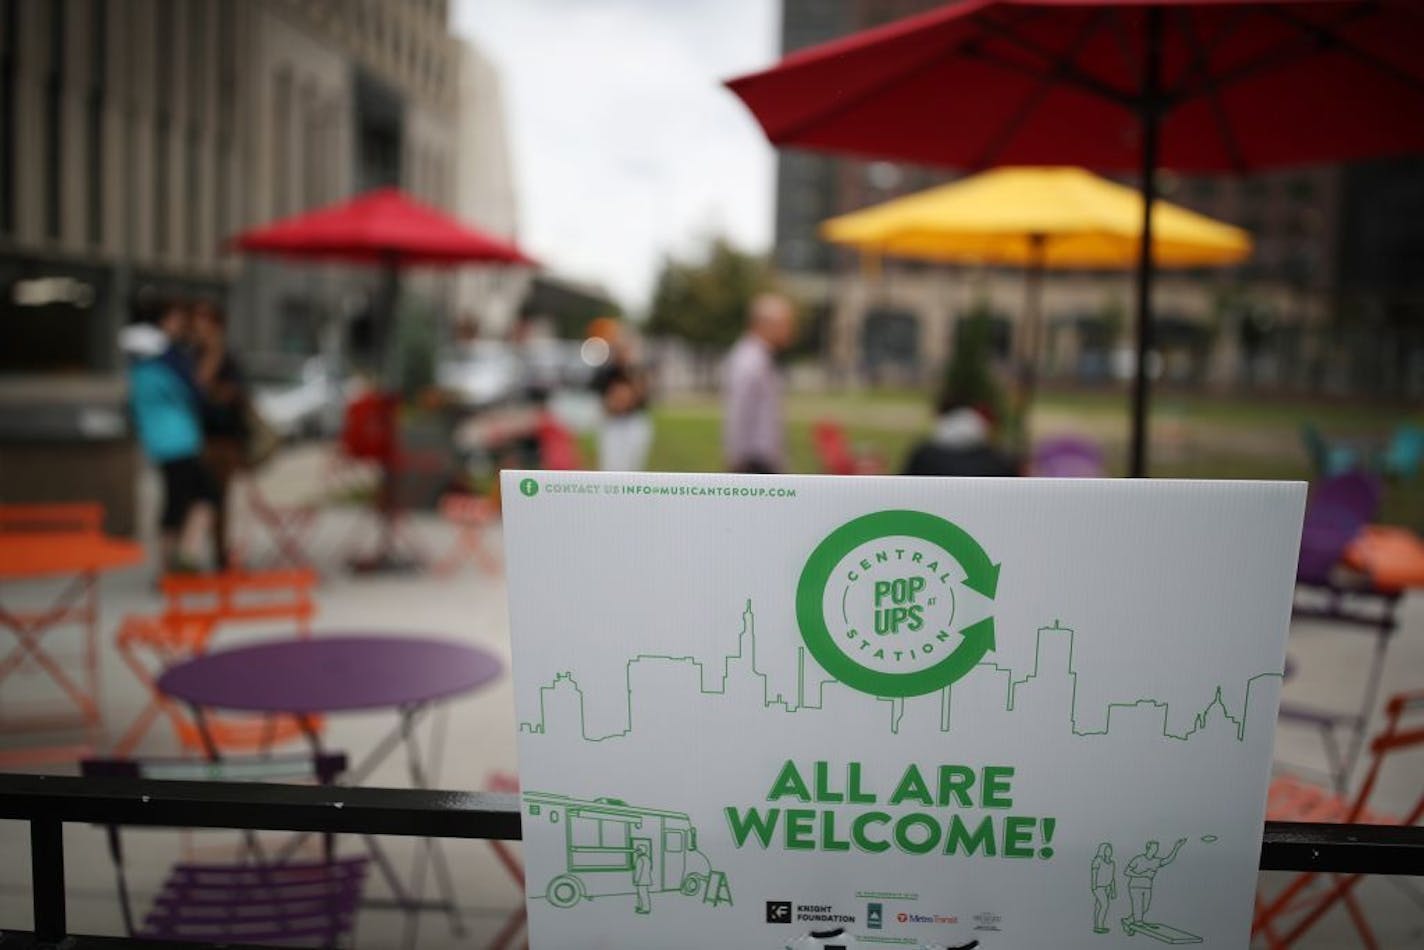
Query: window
[[599, 844], [98, 80], [281, 132], [192, 191], [197, 106], [163, 126], [310, 158], [54, 121], [226, 106], [10, 24], [674, 842]]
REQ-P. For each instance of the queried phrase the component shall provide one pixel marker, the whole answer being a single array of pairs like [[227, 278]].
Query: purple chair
[[1067, 456], [1338, 508], [261, 900]]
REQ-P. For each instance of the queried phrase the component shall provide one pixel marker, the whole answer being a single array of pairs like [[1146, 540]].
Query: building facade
[[137, 136], [1319, 251]]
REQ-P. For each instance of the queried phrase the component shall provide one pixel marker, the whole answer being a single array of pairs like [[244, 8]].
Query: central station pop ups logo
[[880, 606]]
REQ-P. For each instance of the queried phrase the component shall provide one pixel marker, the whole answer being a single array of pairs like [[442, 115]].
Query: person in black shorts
[[166, 404], [224, 415]]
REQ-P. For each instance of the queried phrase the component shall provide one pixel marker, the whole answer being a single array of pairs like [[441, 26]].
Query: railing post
[[47, 878]]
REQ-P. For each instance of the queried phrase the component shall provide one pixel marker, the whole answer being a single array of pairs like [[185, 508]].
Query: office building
[[136, 136]]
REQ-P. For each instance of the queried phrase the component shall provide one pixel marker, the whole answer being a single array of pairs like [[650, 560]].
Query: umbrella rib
[[1200, 64], [801, 126], [1315, 37], [1046, 81], [1059, 68], [1324, 36]]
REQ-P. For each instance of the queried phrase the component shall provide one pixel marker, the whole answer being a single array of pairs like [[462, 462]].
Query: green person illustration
[[1104, 886], [1141, 872], [643, 876]]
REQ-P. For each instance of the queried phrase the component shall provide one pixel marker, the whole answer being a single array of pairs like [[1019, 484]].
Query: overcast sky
[[626, 146]]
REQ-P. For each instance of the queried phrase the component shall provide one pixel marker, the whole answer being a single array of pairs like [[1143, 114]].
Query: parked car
[[301, 402], [484, 373]]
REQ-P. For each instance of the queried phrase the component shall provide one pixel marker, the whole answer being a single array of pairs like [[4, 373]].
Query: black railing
[[48, 802]]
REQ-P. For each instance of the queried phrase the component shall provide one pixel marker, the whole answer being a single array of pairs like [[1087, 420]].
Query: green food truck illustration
[[608, 848]]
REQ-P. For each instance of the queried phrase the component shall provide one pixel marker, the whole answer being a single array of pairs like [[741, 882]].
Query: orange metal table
[[81, 557], [1391, 557]]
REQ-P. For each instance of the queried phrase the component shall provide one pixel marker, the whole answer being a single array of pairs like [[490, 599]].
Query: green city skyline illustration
[[1018, 692]]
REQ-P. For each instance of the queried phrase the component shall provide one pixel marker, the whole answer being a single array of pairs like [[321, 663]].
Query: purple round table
[[328, 674], [345, 673]]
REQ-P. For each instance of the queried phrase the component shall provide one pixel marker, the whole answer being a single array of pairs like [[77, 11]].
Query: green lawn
[[1193, 436]]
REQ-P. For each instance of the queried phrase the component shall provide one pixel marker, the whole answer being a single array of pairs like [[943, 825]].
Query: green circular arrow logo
[[877, 599]]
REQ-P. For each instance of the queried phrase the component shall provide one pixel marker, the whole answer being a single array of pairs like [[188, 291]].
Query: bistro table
[[80, 556], [346, 673], [1378, 568]]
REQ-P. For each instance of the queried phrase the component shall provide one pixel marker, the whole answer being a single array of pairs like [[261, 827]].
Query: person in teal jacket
[[166, 406]]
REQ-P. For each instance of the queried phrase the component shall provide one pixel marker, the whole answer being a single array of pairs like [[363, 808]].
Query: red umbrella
[[1125, 85], [383, 227]]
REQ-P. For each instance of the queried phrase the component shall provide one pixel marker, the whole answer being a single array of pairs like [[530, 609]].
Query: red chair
[[558, 447], [1299, 908], [197, 607], [472, 516], [370, 434], [837, 456]]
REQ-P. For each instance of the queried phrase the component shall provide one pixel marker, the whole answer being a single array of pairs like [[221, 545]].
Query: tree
[[705, 300], [969, 375]]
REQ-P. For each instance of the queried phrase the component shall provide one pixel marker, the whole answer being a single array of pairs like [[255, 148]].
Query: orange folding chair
[[508, 784], [1297, 907], [77, 603], [472, 516], [81, 517], [289, 526], [197, 606]]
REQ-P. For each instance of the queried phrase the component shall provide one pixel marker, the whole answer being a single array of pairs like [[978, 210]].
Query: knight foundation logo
[[898, 603]]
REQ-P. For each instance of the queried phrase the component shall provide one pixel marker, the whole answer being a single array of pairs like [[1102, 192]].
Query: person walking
[[753, 422], [225, 432], [622, 386], [166, 406]]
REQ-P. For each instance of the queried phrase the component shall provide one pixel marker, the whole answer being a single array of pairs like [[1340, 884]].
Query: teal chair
[[1404, 455], [1326, 458]]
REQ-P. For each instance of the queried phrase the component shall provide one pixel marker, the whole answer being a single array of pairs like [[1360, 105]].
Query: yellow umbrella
[[1051, 217], [1036, 218]]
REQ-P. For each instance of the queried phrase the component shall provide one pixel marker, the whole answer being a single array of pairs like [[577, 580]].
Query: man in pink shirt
[[753, 425]]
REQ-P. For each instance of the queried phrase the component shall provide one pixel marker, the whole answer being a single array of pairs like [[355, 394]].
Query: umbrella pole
[[1033, 333], [387, 556], [1150, 115]]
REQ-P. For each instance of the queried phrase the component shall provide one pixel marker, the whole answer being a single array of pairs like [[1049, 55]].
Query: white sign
[[1029, 712]]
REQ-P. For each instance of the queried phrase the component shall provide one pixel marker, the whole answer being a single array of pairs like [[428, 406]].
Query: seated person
[[959, 444]]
